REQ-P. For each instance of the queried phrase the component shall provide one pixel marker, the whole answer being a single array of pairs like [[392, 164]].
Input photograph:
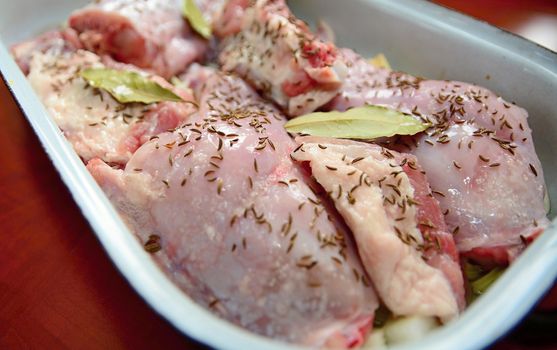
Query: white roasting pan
[[418, 37]]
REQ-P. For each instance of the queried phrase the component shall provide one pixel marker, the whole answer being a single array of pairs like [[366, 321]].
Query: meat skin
[[415, 270], [281, 58], [240, 228], [94, 123], [479, 156], [297, 239], [54, 42], [224, 16], [149, 34]]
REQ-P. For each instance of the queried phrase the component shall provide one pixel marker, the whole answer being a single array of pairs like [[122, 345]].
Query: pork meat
[[149, 34], [398, 227], [94, 123], [53, 42], [240, 228], [281, 58], [479, 156]]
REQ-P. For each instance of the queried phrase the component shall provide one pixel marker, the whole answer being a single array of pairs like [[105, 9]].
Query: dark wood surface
[[58, 288]]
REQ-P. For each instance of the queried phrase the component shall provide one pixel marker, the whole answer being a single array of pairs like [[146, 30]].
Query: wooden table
[[58, 288]]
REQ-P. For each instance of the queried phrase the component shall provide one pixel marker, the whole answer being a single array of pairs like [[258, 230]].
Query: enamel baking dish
[[417, 37]]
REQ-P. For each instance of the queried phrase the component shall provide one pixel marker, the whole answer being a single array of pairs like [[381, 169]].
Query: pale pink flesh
[[412, 272], [281, 58], [489, 201], [492, 206], [225, 16], [149, 34], [55, 41], [241, 231], [442, 252], [94, 123]]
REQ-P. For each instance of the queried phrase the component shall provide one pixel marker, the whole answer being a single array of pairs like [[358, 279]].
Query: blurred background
[[535, 20]]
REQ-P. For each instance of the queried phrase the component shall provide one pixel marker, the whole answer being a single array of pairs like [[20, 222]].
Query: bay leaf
[[128, 86], [367, 122], [193, 14]]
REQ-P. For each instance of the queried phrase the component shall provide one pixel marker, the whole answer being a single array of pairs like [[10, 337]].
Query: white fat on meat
[[94, 123], [281, 58], [241, 231], [375, 197]]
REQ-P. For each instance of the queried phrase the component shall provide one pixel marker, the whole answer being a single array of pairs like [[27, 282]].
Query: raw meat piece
[[149, 34], [479, 156], [240, 229], [441, 251], [224, 16], [281, 58], [94, 123], [195, 78], [412, 262], [54, 42]]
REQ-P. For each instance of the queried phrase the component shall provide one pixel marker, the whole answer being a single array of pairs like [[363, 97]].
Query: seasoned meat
[[241, 230], [297, 239], [53, 42], [94, 123], [413, 267], [281, 58], [195, 78], [224, 16], [149, 34], [479, 156]]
